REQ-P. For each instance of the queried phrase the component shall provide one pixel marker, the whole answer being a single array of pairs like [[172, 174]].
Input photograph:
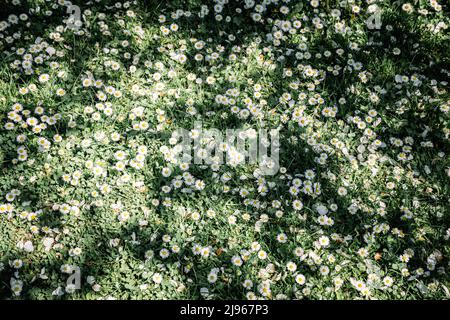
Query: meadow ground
[[97, 202]]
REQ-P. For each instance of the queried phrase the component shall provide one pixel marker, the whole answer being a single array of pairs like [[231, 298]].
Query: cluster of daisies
[[97, 202]]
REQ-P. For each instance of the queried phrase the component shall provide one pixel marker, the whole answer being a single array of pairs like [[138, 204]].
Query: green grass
[[395, 209]]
